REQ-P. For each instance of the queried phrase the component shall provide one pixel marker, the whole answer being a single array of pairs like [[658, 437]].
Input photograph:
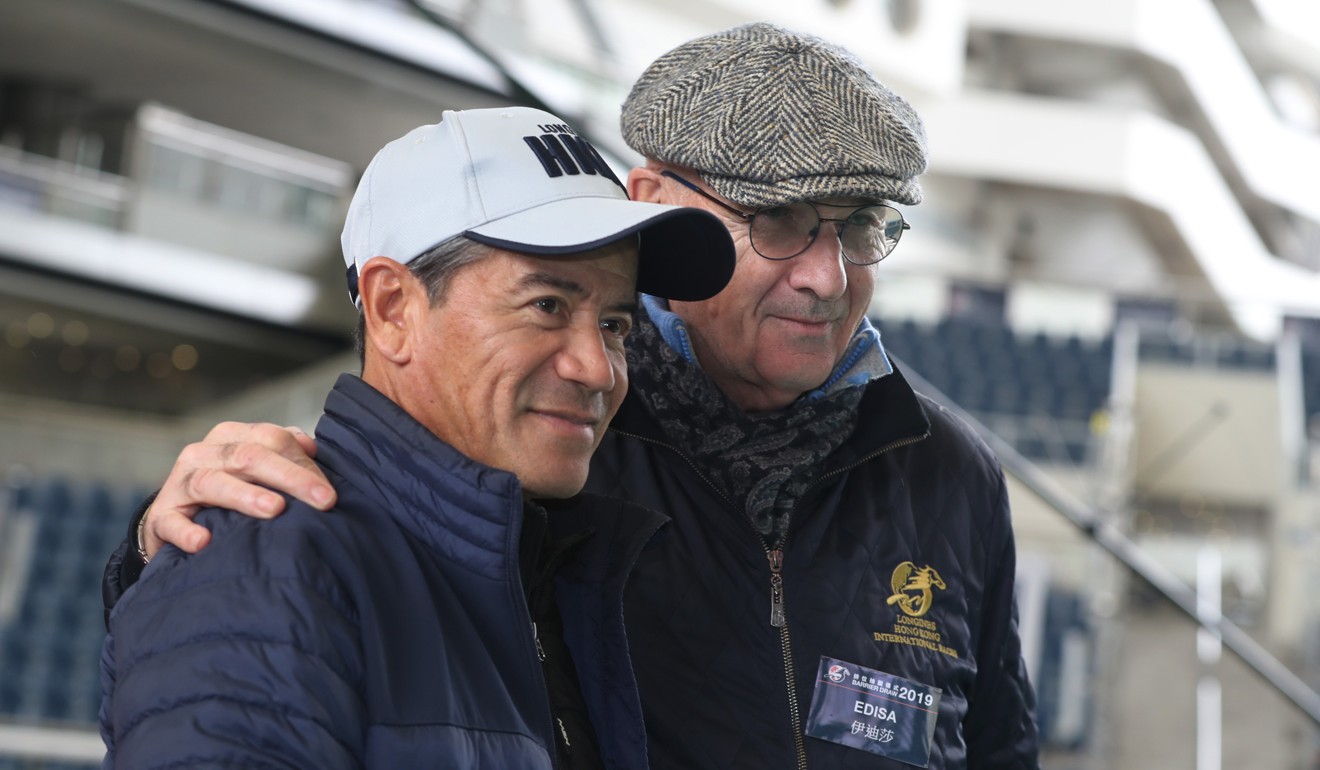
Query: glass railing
[[48, 186]]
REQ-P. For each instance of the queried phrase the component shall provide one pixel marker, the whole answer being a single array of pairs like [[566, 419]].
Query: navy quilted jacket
[[392, 632], [722, 688]]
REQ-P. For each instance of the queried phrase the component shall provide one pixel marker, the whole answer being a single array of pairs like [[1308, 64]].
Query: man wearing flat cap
[[836, 586]]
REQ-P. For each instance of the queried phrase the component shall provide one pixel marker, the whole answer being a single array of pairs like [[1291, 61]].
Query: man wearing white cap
[[434, 616]]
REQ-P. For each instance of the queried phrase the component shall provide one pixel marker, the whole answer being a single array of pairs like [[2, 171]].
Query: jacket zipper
[[540, 657], [558, 733], [777, 610], [775, 556], [779, 619]]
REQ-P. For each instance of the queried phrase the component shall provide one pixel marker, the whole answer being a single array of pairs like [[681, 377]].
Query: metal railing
[[1094, 524]]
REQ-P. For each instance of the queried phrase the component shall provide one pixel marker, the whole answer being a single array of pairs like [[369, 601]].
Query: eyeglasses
[[866, 236]]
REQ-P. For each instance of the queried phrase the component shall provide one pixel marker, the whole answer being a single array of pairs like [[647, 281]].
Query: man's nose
[[585, 359], [820, 269]]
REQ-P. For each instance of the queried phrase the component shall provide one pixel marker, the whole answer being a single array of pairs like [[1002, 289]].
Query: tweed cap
[[767, 116]]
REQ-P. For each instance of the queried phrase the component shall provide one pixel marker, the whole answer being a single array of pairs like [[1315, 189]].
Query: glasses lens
[[780, 232], [871, 233], [868, 234]]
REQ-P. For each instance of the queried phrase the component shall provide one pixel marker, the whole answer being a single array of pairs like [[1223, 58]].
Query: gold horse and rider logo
[[913, 588]]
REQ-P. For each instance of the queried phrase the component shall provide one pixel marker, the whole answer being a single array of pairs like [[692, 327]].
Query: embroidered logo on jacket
[[913, 588], [914, 592]]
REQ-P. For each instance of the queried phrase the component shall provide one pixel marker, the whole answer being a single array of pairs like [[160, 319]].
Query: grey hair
[[435, 269]]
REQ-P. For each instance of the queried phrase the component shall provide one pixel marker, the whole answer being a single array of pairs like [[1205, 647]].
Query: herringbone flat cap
[[767, 116]]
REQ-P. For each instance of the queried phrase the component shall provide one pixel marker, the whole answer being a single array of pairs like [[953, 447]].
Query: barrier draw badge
[[873, 711]]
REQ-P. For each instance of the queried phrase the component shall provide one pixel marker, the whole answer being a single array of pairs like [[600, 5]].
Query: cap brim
[[756, 193], [686, 254]]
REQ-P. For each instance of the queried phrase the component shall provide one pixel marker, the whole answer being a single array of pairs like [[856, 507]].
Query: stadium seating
[[50, 649], [1038, 392], [1311, 388]]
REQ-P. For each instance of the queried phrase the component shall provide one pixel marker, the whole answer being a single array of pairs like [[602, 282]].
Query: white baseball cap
[[521, 179]]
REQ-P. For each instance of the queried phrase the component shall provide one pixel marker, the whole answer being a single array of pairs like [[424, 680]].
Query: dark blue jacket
[[392, 632], [722, 688]]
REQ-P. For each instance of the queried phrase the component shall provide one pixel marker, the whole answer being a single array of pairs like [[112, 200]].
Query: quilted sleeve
[[245, 655], [124, 567], [1001, 721]]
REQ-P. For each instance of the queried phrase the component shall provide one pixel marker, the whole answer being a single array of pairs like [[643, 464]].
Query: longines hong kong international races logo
[[914, 593], [913, 588]]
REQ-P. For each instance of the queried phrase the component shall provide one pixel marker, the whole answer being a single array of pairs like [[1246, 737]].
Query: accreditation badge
[[873, 711]]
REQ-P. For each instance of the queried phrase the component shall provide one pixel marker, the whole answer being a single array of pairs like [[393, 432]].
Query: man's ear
[[389, 295], [645, 184]]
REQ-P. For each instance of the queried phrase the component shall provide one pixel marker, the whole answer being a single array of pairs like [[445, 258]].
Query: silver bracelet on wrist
[[141, 547]]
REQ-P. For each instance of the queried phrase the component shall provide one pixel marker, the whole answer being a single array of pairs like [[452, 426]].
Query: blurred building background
[[1114, 273]]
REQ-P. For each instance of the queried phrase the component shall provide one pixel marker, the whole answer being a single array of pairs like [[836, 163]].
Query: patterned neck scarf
[[761, 461]]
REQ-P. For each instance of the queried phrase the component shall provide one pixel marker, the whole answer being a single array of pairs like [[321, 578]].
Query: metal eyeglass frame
[[748, 218]]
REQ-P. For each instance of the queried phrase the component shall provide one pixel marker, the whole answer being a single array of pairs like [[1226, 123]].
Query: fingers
[[306, 442], [261, 454], [232, 468], [175, 528]]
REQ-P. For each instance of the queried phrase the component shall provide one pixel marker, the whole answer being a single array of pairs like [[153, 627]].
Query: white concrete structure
[[1087, 158]]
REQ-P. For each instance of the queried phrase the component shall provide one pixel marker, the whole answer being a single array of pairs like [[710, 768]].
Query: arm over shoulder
[[124, 566]]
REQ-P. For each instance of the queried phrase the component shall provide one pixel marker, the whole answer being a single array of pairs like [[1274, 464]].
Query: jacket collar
[[890, 414], [459, 507]]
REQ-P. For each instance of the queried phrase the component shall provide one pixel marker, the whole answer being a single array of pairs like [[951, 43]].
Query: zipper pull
[[536, 637], [563, 735], [776, 588]]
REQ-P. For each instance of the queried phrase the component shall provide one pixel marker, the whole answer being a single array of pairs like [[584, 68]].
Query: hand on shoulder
[[235, 466]]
